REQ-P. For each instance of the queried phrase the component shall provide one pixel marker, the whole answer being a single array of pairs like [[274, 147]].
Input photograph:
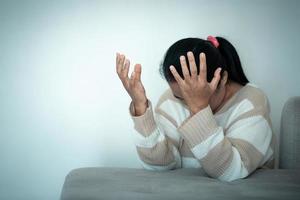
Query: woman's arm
[[224, 154], [233, 153], [154, 148]]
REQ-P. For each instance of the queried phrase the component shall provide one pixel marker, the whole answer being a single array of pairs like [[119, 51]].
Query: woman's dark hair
[[225, 56]]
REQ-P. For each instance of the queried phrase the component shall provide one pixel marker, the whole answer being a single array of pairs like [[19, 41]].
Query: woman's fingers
[[217, 76], [124, 77], [119, 63], [132, 79], [176, 75], [118, 68], [135, 75], [138, 72], [122, 66], [184, 67], [192, 63], [121, 60], [125, 69], [202, 74]]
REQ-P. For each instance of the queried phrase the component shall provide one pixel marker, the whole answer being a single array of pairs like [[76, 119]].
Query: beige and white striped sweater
[[228, 145]]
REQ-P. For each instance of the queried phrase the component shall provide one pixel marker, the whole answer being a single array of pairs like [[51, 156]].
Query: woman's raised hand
[[133, 85]]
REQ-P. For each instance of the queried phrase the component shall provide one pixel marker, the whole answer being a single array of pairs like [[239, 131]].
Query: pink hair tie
[[213, 40]]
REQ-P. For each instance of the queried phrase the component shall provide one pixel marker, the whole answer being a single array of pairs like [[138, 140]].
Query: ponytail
[[232, 61]]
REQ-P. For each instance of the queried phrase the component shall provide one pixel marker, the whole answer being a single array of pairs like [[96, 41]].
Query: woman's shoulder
[[255, 95]]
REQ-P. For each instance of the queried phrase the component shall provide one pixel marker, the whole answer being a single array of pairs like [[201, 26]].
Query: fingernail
[[182, 57], [201, 54]]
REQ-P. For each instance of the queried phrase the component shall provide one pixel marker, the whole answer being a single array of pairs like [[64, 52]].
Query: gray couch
[[125, 183]]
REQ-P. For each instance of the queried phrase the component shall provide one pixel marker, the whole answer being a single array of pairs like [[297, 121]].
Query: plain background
[[61, 103]]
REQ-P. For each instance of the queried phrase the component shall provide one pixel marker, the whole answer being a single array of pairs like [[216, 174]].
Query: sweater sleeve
[[232, 153], [154, 148]]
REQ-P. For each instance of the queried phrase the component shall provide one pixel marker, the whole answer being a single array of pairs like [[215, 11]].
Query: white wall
[[62, 105]]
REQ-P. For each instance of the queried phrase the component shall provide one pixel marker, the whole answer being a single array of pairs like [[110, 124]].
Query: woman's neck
[[231, 88]]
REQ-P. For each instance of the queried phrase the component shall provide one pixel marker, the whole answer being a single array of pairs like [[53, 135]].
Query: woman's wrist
[[140, 107], [196, 109]]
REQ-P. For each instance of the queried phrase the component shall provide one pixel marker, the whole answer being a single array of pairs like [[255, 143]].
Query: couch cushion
[[290, 135], [124, 183]]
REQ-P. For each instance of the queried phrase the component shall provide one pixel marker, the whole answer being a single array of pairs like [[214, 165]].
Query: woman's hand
[[133, 85], [195, 89]]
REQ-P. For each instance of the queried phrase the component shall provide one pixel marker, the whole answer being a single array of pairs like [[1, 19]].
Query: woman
[[209, 118]]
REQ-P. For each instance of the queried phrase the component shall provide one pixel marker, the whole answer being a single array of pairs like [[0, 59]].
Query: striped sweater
[[228, 145]]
